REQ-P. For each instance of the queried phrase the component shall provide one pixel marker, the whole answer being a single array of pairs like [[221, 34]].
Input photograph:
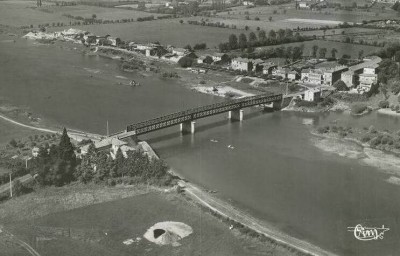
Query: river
[[274, 169]]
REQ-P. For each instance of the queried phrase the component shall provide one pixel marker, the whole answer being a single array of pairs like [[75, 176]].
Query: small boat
[[231, 147], [134, 83], [213, 140]]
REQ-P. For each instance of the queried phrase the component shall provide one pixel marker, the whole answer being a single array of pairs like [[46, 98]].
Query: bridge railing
[[196, 110]]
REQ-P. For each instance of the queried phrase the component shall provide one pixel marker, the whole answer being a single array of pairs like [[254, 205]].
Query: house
[[268, 67], [248, 3], [368, 77], [281, 72], [312, 94], [352, 77], [180, 51], [312, 76], [334, 74], [293, 75], [257, 65], [109, 145], [220, 57], [35, 151], [242, 64], [200, 60]]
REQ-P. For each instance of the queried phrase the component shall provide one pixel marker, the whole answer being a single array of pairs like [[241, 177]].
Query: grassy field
[[25, 13], [342, 48], [165, 31], [100, 229], [10, 131], [101, 12]]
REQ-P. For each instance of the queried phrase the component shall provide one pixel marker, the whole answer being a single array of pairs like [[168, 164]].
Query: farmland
[[342, 48], [100, 229]]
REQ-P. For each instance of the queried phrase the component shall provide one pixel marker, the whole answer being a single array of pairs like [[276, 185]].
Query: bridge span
[[186, 119]]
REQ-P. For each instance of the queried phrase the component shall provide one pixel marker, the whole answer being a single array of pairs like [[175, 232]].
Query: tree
[[185, 62], [270, 18], [314, 50], [233, 41], [281, 34], [333, 53], [360, 54], [272, 34], [262, 36], [208, 60], [252, 37], [322, 53], [242, 41], [65, 147], [181, 21], [94, 16], [297, 53]]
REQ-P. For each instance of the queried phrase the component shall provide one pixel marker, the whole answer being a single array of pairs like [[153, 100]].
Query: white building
[[312, 94], [242, 64]]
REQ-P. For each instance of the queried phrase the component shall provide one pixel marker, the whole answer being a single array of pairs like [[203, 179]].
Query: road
[[24, 179], [6, 235]]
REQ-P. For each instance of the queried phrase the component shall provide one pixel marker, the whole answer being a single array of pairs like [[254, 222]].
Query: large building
[[242, 64], [352, 77], [322, 76]]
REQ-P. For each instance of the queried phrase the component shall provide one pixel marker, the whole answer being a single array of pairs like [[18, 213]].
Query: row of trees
[[273, 38]]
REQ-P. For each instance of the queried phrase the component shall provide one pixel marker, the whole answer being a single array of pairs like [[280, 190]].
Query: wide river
[[277, 170]]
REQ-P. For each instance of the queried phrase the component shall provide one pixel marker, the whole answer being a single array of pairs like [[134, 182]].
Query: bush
[[185, 62], [340, 86], [366, 137], [323, 129], [358, 108], [384, 104]]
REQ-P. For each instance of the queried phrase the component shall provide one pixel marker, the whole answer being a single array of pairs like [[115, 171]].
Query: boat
[[134, 83]]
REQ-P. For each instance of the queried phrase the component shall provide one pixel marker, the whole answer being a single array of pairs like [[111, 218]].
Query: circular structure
[[168, 233]]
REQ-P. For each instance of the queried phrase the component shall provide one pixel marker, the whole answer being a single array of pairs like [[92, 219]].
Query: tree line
[[262, 39]]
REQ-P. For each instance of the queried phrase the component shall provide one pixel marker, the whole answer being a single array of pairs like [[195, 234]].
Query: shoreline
[[76, 135], [225, 210]]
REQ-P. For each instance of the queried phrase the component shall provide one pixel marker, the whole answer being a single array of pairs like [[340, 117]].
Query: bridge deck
[[199, 112]]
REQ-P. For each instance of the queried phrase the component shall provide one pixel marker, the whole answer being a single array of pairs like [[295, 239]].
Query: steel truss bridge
[[197, 113]]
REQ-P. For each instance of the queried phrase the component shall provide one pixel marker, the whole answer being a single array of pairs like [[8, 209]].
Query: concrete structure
[[220, 57], [257, 65], [236, 115], [242, 64], [188, 127]]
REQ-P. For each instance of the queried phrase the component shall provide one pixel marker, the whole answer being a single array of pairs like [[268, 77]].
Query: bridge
[[186, 119]]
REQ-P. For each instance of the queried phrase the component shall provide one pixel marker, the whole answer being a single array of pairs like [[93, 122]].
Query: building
[[312, 94], [200, 60], [108, 145], [268, 67], [248, 3], [180, 51], [334, 74], [312, 76], [352, 77], [368, 77], [281, 72], [35, 151], [242, 64], [293, 75], [257, 65], [223, 57]]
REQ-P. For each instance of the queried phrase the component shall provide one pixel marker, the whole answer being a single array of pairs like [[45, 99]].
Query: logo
[[368, 233]]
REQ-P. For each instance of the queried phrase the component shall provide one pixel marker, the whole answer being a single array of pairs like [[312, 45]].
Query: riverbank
[[238, 219], [380, 149]]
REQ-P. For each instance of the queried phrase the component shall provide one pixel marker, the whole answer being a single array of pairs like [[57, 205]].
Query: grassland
[[342, 48], [100, 229], [25, 13]]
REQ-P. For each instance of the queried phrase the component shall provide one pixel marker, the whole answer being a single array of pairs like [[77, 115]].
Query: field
[[100, 229], [25, 13], [342, 48], [167, 32]]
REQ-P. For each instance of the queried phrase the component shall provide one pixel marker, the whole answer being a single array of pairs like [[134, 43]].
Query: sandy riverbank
[[227, 211], [388, 111]]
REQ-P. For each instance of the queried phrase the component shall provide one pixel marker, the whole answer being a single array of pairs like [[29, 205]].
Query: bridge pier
[[236, 115], [188, 127]]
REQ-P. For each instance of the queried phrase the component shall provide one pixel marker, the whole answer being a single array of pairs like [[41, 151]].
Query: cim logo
[[368, 233]]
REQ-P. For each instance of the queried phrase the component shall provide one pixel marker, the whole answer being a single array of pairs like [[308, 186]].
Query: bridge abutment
[[236, 115], [188, 127]]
